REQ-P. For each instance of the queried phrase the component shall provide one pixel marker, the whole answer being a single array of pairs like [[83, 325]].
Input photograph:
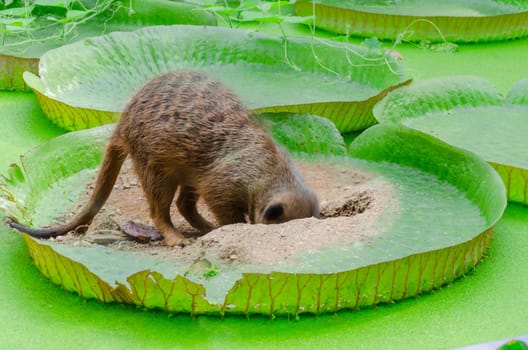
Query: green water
[[23, 125]]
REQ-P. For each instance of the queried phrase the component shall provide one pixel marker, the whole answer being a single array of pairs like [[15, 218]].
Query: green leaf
[[267, 6], [470, 113], [338, 81], [514, 345], [73, 14], [298, 19], [156, 12], [258, 16], [458, 20], [222, 10], [16, 12], [16, 24], [519, 93], [436, 230], [56, 3]]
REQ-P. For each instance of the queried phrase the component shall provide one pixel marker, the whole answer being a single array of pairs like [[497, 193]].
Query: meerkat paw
[[173, 240], [178, 240]]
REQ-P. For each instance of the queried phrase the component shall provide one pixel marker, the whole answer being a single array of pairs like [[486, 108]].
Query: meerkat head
[[288, 205]]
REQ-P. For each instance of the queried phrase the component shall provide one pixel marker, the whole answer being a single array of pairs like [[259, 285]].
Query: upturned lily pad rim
[[423, 98], [375, 145], [436, 28], [396, 9], [453, 159]]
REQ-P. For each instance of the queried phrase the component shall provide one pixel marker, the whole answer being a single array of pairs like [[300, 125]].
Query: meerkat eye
[[273, 212]]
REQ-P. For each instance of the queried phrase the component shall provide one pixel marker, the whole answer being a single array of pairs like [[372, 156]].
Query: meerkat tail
[[35, 232], [114, 157]]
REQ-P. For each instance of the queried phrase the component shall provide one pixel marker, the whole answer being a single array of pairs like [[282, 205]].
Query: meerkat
[[184, 130]]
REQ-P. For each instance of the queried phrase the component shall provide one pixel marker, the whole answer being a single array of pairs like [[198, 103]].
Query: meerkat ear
[[273, 212]]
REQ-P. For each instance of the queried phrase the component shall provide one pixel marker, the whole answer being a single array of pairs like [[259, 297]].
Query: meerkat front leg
[[159, 191]]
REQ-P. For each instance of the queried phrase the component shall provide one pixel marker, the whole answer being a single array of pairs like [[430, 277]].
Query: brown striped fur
[[185, 130]]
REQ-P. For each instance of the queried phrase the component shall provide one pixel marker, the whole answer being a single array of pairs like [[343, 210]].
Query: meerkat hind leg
[[186, 203]]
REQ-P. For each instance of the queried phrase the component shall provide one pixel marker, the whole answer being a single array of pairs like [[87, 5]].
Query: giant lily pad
[[470, 113], [457, 20], [438, 228], [52, 25], [89, 82]]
